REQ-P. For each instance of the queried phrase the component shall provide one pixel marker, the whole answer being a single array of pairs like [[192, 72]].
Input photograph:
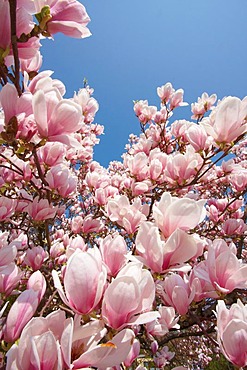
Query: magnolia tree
[[138, 265]]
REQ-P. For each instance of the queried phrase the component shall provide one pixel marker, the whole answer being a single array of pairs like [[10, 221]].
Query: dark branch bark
[[12, 7]]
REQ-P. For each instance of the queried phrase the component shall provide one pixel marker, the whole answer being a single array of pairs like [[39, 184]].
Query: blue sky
[[138, 45]]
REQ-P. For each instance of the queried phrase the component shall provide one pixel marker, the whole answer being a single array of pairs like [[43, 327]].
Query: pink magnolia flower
[[84, 281], [43, 81], [12, 104], [86, 225], [181, 168], [113, 251], [51, 154], [108, 354], [228, 120], [232, 332], [39, 347], [24, 24], [35, 257], [171, 213], [57, 343], [221, 269], [175, 291], [129, 298], [134, 353], [56, 118], [89, 105], [163, 357], [10, 276], [204, 103], [24, 307], [40, 209], [162, 325], [66, 16], [197, 137], [127, 215], [176, 99], [7, 207], [60, 178], [160, 255], [165, 92], [32, 65], [8, 253]]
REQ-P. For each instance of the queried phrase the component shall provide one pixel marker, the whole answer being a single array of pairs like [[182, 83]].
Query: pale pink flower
[[176, 99], [171, 213], [159, 255], [204, 103], [113, 250], [84, 281], [8, 253], [163, 357], [109, 354], [12, 104], [43, 81], [129, 298], [234, 226], [222, 270], [232, 332], [238, 179], [182, 168], [35, 257], [88, 104], [33, 64], [41, 209], [176, 292], [7, 207], [227, 123], [162, 325], [56, 118], [66, 16], [102, 194], [165, 92], [61, 179], [127, 215], [24, 307], [197, 137], [133, 354], [42, 343], [137, 165], [10, 276], [51, 154], [24, 24], [76, 243]]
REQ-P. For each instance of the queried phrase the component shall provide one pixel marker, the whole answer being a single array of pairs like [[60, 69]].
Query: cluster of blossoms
[[113, 268]]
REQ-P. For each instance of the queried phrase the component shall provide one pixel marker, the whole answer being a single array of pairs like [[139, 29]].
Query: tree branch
[[12, 8]]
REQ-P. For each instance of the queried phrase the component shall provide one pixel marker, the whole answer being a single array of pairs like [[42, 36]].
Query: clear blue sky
[[138, 45]]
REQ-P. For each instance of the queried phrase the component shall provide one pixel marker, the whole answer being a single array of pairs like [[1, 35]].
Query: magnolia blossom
[[232, 332], [204, 103], [24, 307], [171, 213], [40, 209], [160, 255], [166, 321], [113, 251], [56, 118], [84, 281], [129, 297], [228, 121], [129, 216], [222, 270], [176, 292], [66, 16]]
